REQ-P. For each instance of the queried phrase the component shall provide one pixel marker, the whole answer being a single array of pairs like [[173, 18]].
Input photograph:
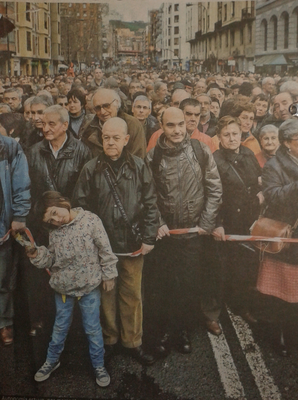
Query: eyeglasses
[[105, 106]]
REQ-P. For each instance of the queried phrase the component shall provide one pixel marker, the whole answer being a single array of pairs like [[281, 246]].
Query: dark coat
[[211, 131], [136, 190], [65, 170], [280, 188], [152, 125], [240, 206]]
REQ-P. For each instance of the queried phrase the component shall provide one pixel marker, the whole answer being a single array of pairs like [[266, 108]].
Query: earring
[[289, 150]]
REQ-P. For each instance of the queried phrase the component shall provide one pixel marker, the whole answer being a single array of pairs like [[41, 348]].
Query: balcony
[[218, 25], [248, 13]]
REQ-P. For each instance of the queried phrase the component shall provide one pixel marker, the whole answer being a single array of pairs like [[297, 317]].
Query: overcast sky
[[134, 10]]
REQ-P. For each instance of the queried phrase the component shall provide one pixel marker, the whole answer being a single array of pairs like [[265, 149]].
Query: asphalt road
[[243, 363]]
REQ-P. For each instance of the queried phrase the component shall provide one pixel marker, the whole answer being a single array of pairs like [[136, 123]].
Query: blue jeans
[[89, 305]]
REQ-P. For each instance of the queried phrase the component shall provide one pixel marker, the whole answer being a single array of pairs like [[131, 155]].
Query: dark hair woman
[[239, 172], [278, 274], [77, 115]]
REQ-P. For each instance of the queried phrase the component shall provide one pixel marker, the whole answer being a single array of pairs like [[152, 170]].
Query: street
[[243, 363]]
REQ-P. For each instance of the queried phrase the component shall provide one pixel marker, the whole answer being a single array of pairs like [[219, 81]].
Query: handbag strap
[[116, 197], [238, 176]]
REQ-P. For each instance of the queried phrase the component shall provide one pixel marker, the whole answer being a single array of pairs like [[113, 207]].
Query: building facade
[[221, 35], [33, 48], [175, 50], [277, 31]]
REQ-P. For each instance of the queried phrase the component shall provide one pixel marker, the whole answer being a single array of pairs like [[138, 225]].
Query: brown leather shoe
[[6, 334], [213, 327], [36, 328], [249, 318]]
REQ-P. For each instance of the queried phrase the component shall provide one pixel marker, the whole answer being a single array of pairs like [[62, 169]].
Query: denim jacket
[[15, 184]]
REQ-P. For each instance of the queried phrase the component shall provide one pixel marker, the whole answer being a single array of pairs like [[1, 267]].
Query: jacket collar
[[66, 151], [173, 151], [128, 160], [286, 163]]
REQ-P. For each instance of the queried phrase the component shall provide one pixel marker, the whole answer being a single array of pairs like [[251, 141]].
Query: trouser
[[180, 284], [122, 314], [7, 283], [89, 305], [241, 266]]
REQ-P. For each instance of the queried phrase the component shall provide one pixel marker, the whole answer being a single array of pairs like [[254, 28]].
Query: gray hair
[[268, 129], [56, 109], [265, 80], [290, 87], [47, 101], [13, 90], [29, 101], [4, 105], [158, 85], [116, 95], [288, 130], [142, 98], [205, 95]]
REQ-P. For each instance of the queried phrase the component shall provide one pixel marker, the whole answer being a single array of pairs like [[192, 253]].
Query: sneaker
[[102, 377], [45, 371]]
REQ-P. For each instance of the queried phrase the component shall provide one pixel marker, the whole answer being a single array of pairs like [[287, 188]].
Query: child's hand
[[108, 285], [31, 251]]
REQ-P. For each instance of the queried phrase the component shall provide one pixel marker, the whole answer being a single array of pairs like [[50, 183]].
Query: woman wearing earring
[[278, 274]]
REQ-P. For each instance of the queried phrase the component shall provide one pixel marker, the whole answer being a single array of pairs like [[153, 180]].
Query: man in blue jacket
[[14, 207]]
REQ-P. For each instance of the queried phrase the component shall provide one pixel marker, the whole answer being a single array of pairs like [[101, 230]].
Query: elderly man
[[56, 162], [189, 195], [177, 96], [37, 106], [268, 86], [161, 90], [118, 187], [207, 123], [141, 109], [13, 97], [106, 104], [14, 207]]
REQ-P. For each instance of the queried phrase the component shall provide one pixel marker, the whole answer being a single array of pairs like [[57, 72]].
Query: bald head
[[114, 137], [173, 125]]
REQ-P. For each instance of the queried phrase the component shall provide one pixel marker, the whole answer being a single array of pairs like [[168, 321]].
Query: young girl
[[79, 257]]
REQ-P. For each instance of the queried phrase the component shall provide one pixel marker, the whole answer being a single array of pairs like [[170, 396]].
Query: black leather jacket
[[135, 187], [60, 174]]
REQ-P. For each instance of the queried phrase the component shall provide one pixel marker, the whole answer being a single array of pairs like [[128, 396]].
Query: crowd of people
[[107, 168]]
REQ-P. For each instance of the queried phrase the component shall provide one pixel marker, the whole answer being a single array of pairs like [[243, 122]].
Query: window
[[241, 35], [28, 14], [18, 41], [227, 39], [170, 9], [286, 30], [176, 7], [176, 41], [176, 30], [28, 37], [169, 42], [58, 28], [274, 27], [46, 45], [176, 52], [45, 21], [84, 5], [176, 18], [70, 5], [208, 21], [59, 49], [225, 12], [265, 34], [17, 12], [233, 8], [232, 38], [169, 21], [169, 31], [249, 33]]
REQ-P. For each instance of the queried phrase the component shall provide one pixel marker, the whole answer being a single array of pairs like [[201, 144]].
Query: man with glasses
[[106, 104]]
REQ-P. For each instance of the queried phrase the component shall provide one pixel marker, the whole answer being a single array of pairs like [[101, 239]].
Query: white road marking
[[226, 367], [265, 383]]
